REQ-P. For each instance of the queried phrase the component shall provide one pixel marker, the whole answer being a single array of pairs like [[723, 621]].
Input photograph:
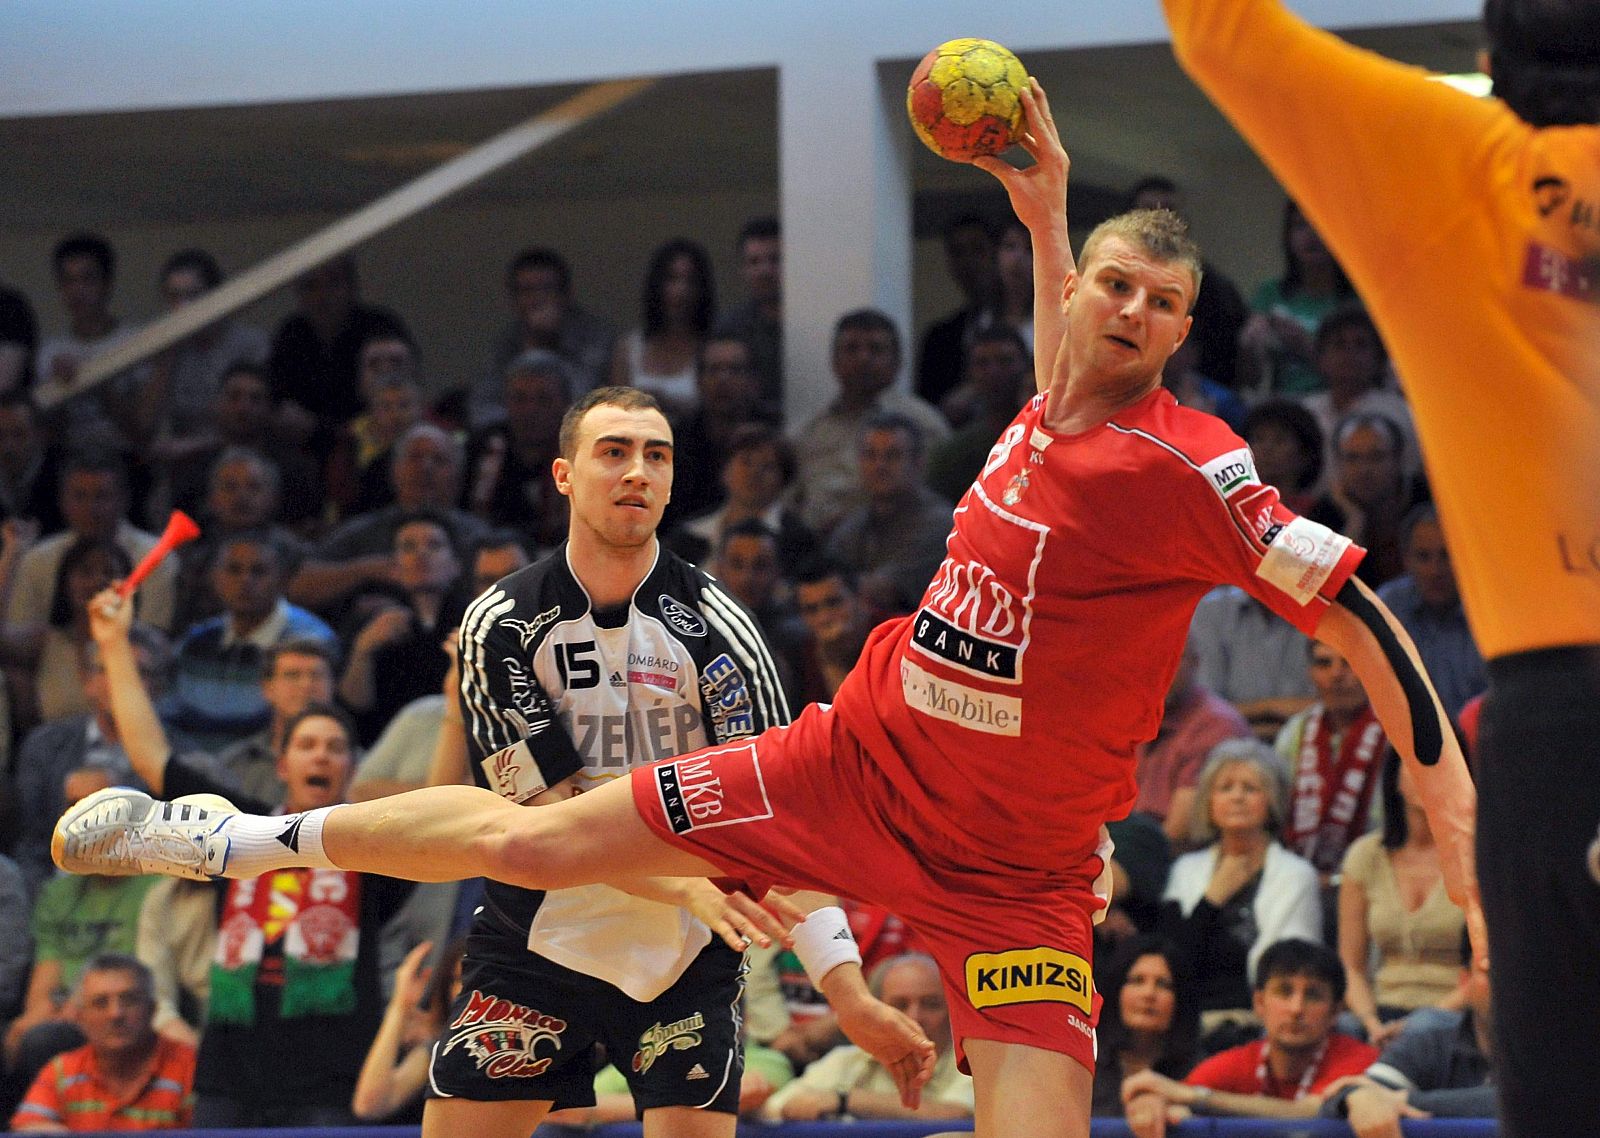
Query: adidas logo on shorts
[[697, 1072]]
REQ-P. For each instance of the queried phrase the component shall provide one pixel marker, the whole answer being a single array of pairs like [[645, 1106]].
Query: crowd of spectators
[[1275, 874]]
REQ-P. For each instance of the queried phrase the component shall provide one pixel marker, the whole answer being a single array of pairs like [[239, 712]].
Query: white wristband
[[823, 942]]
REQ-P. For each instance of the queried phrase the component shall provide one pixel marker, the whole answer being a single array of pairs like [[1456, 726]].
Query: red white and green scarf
[[306, 921], [1333, 789]]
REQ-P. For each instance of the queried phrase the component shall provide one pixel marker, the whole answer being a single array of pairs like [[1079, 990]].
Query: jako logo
[[681, 617], [1028, 975]]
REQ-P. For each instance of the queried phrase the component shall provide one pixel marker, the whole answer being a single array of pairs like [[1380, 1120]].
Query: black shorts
[[524, 1029], [1538, 773]]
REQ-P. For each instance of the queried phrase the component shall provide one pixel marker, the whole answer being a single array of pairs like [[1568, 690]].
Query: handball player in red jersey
[[962, 777]]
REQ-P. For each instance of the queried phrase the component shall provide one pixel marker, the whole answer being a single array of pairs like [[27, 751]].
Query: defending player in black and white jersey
[[607, 654]]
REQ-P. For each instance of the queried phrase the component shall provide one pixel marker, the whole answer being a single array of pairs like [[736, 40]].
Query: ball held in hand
[[965, 99]]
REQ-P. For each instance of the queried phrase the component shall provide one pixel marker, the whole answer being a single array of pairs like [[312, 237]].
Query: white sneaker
[[118, 832]]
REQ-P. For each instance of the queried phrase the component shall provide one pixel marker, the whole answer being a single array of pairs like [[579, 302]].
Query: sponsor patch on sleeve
[[512, 773], [1228, 472], [1030, 975], [717, 787], [1300, 558]]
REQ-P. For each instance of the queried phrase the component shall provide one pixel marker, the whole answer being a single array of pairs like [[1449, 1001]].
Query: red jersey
[[1008, 707], [1243, 1070]]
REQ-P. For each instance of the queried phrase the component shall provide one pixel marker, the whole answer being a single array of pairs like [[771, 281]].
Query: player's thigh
[[1028, 1092], [687, 1122], [597, 836], [453, 1117]]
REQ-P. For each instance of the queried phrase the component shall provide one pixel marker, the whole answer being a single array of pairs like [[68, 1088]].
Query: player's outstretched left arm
[[1363, 629], [1039, 199]]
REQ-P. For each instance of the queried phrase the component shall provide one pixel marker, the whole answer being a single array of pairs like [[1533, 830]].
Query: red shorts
[[804, 806]]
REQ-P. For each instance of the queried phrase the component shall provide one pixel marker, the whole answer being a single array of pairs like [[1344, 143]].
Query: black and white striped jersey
[[552, 688]]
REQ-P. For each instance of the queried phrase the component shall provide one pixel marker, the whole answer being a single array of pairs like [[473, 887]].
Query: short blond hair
[[1159, 232]]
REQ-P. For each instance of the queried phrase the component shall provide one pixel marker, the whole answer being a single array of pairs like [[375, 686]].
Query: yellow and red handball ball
[[965, 99]]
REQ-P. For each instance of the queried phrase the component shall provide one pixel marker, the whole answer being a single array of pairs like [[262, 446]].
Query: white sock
[[260, 844]]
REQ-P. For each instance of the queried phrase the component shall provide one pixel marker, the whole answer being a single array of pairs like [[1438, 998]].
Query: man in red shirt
[[1299, 991], [964, 772], [126, 1077]]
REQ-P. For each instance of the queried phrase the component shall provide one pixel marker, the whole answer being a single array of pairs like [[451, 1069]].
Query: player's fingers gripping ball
[[965, 99]]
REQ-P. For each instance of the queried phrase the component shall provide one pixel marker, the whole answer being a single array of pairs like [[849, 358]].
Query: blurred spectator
[[748, 563], [1193, 388], [395, 1072], [94, 502], [866, 358], [1395, 918], [759, 320], [177, 941], [19, 340], [1284, 1075], [216, 699], [1353, 364], [849, 1083], [1251, 657], [510, 483], [16, 942], [1194, 720], [730, 399], [52, 751], [1441, 1069], [1371, 493], [679, 301], [396, 656], [1013, 302], [1335, 749], [74, 918], [1427, 603], [85, 271], [827, 599], [969, 258], [1150, 1020], [499, 553], [1276, 344], [1227, 902], [402, 758], [30, 469], [241, 498], [315, 356], [999, 380], [1287, 446], [426, 474], [283, 1005], [1219, 310], [894, 542], [1139, 869], [125, 1076], [757, 470], [56, 688], [539, 284], [177, 403], [357, 475], [294, 675], [243, 418]]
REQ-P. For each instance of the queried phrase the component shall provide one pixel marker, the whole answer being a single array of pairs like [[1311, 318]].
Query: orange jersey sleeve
[[1475, 240]]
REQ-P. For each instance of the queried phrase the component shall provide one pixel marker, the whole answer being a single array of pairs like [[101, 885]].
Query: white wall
[[58, 56]]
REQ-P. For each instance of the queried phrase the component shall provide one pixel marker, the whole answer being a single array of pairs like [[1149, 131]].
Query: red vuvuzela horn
[[181, 528]]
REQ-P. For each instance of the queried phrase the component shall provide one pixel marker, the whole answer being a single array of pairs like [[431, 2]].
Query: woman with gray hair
[[1225, 903]]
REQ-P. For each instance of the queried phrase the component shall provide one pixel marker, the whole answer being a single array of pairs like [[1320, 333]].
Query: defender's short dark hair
[[627, 398]]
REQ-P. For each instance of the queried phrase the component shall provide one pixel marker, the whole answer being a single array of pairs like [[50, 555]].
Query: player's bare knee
[[528, 849]]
